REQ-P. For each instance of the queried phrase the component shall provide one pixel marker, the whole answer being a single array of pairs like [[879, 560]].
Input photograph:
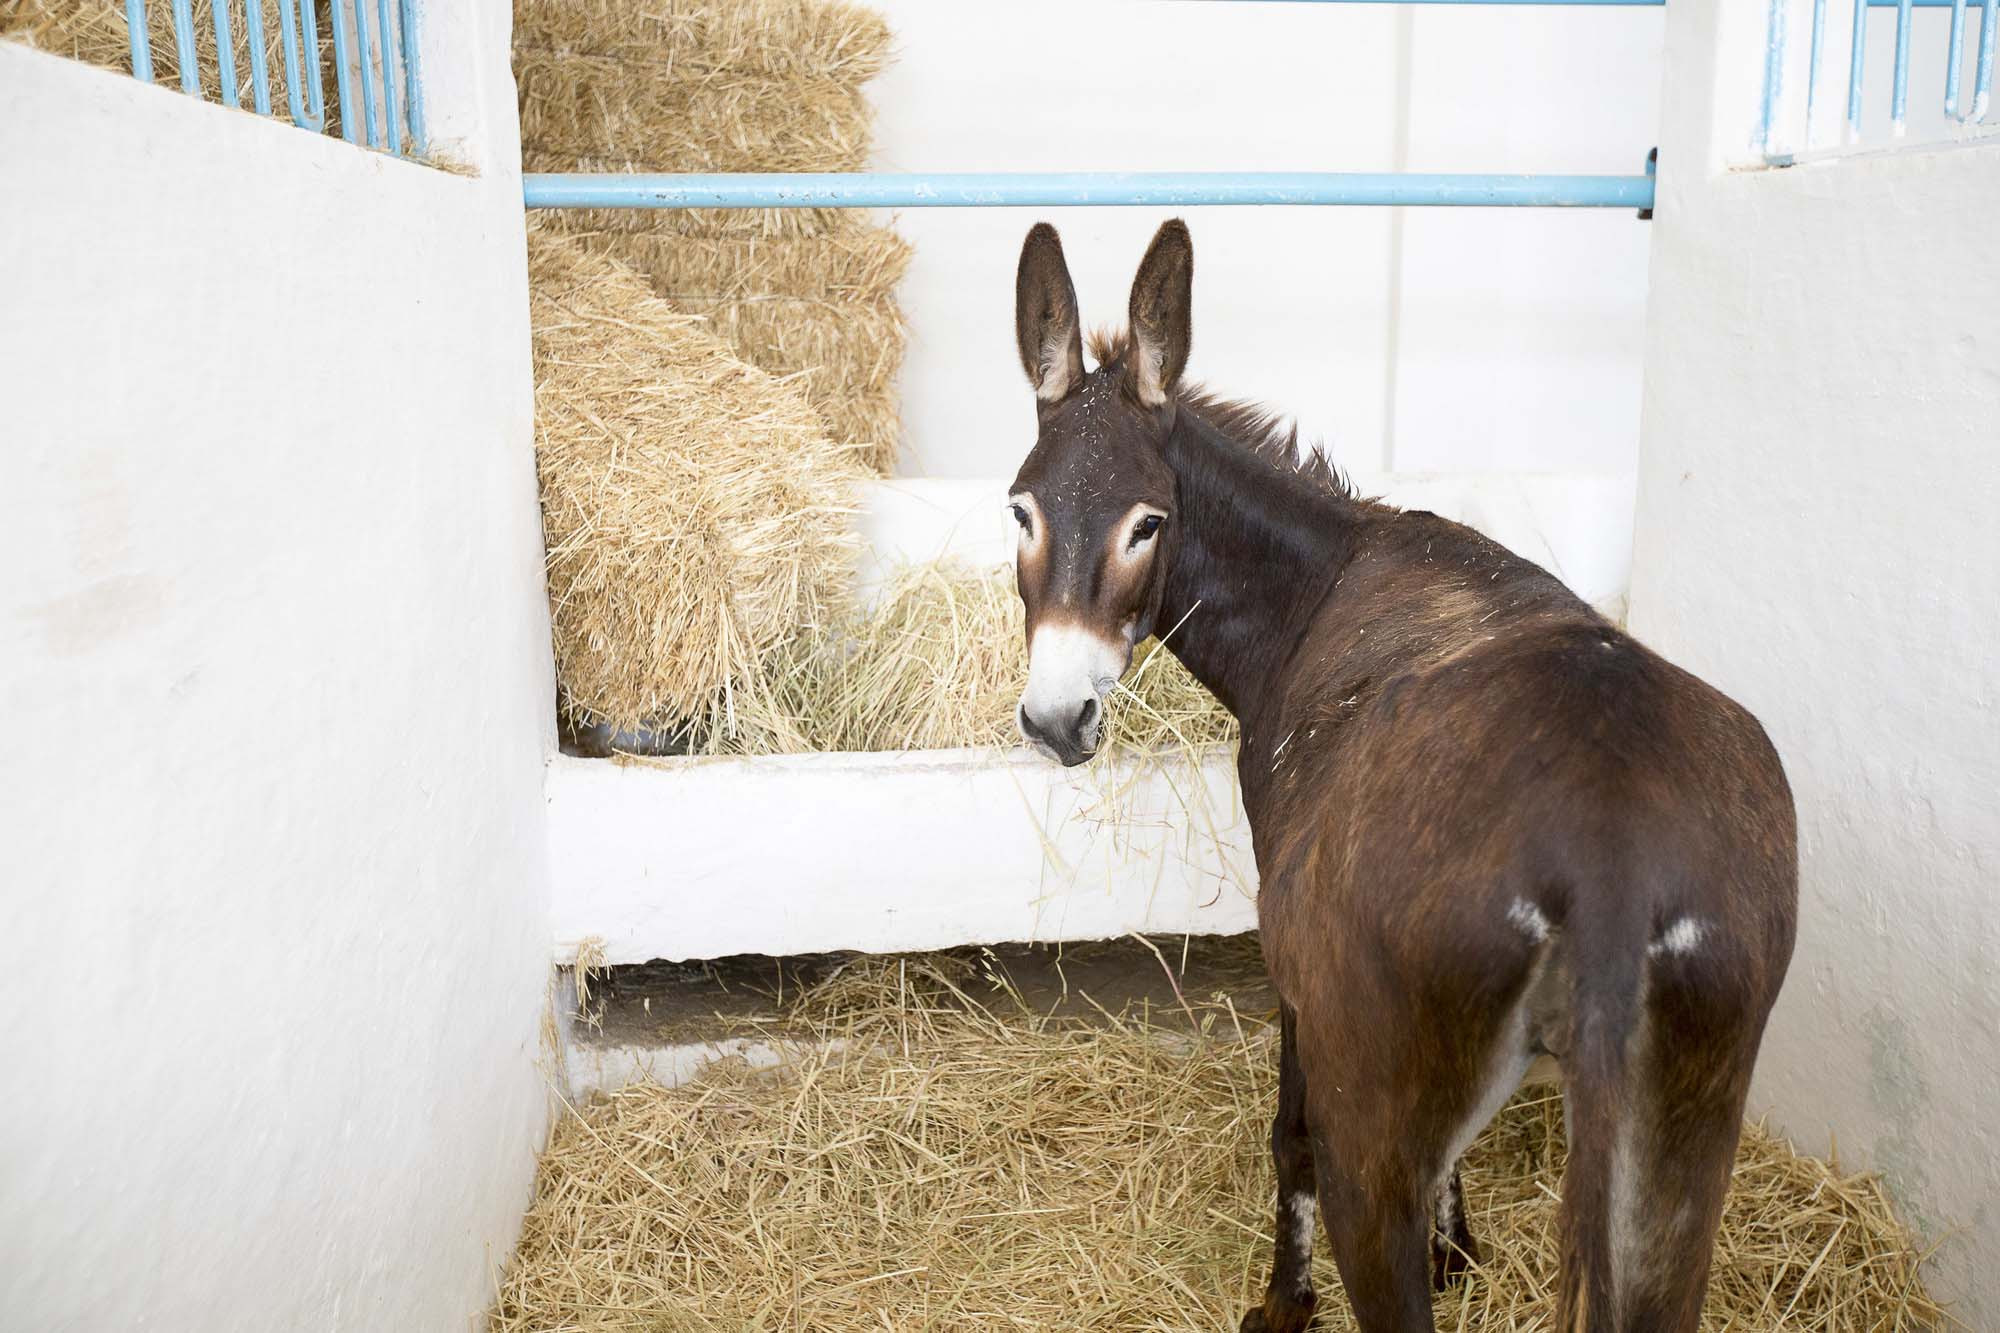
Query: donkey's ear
[[1046, 325], [1162, 295]]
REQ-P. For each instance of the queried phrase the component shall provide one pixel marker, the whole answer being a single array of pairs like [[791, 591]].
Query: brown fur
[[1488, 825]]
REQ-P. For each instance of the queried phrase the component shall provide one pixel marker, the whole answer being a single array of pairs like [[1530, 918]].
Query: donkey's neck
[[1257, 548]]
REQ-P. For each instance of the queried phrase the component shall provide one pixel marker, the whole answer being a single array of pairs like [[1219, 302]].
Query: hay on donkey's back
[[958, 1167], [695, 512]]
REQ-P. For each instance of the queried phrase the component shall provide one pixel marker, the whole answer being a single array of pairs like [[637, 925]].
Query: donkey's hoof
[[1280, 1316], [1451, 1263]]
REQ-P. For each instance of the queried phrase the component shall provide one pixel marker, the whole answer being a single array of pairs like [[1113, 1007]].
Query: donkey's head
[[1095, 500]]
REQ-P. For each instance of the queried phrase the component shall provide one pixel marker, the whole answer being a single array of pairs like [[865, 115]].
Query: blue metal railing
[[1057, 189], [1175, 189], [381, 57], [1783, 142]]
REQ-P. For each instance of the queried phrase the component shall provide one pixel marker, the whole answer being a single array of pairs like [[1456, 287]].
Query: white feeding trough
[[787, 854]]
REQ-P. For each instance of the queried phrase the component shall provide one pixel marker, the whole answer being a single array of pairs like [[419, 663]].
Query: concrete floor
[[665, 1021]]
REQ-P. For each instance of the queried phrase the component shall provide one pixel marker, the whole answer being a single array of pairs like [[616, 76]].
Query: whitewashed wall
[[1820, 470], [1413, 340], [275, 675]]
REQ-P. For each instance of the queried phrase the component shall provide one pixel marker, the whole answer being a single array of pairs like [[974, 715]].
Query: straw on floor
[[946, 1160], [733, 85]]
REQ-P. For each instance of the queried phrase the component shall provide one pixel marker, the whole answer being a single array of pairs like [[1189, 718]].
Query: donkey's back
[[1492, 826]]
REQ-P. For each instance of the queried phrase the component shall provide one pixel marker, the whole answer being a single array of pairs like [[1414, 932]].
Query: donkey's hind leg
[[1453, 1251], [1688, 1116], [1288, 1304], [1379, 1216]]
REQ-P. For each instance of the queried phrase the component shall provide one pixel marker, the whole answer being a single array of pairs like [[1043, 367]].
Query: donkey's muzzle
[[1069, 739]]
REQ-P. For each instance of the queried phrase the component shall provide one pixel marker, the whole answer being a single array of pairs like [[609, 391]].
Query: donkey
[[1489, 826]]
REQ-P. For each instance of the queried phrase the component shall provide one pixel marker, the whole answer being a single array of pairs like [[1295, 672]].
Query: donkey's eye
[[1021, 516], [1145, 528]]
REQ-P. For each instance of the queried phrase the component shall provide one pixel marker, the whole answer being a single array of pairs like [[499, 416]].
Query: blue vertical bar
[[288, 28], [260, 71], [1955, 58], [1856, 59], [1812, 69], [1982, 79], [184, 54], [225, 55], [343, 80], [389, 77], [1774, 73], [411, 46], [316, 89], [142, 41], [365, 50], [1899, 96]]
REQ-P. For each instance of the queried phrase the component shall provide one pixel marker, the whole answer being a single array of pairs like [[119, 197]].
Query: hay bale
[[963, 1163], [733, 85], [818, 306], [694, 509]]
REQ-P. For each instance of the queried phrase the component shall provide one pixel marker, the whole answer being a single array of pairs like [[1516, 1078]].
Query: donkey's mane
[[1261, 432]]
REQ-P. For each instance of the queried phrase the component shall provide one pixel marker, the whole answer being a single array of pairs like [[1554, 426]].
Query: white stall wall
[[1820, 471], [275, 675], [1411, 339]]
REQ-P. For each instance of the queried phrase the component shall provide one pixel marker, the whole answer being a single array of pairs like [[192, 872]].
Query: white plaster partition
[[1816, 535], [701, 858], [275, 675]]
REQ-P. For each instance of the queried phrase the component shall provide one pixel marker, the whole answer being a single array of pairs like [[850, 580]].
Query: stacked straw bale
[[732, 85], [93, 31], [942, 1156], [695, 511]]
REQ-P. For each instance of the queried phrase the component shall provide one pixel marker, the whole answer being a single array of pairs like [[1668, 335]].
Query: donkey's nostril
[[1086, 714]]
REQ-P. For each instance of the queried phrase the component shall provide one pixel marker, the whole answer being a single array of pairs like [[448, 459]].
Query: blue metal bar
[[1774, 78], [1899, 95], [411, 46], [1982, 79], [184, 53], [366, 48], [1812, 66], [141, 40], [343, 79], [390, 77], [260, 73], [1955, 58], [307, 117], [1855, 61], [1592, 4], [317, 109], [1056, 189], [225, 55], [1618, 4]]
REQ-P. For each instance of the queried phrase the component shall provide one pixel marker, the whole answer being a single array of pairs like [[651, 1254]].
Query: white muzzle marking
[[1069, 666]]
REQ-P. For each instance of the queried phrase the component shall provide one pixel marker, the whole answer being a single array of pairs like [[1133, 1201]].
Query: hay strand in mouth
[[942, 1158]]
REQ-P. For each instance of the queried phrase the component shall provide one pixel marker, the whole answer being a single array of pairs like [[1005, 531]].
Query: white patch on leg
[[1679, 940], [1528, 919], [1304, 1208]]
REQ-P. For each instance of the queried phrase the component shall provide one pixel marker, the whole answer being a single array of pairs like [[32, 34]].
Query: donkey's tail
[[1609, 971]]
